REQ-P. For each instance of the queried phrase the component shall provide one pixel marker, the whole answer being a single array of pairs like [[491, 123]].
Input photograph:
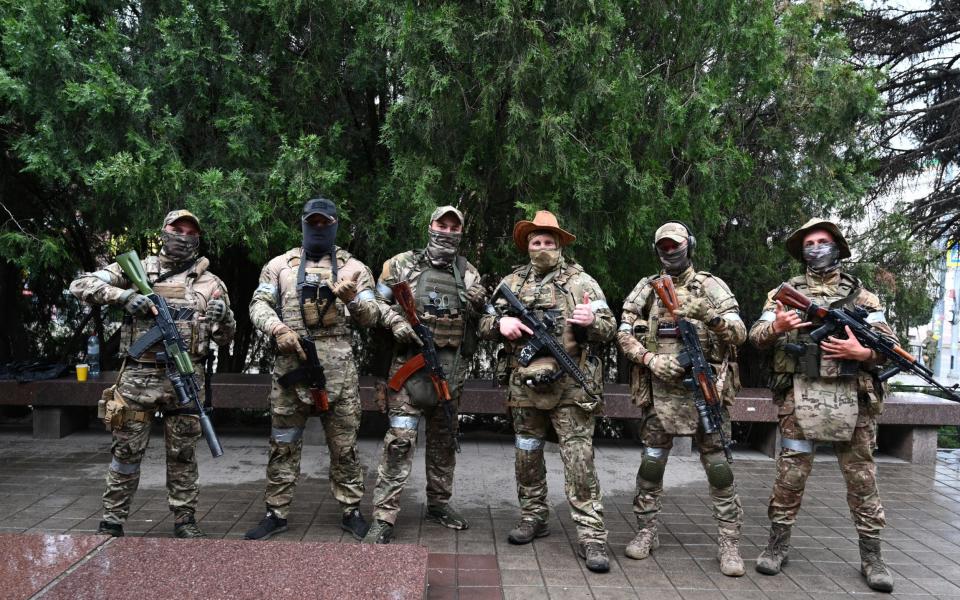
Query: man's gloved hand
[[288, 342], [346, 289], [631, 347], [477, 296], [216, 310], [698, 309], [138, 304], [404, 333], [666, 367]]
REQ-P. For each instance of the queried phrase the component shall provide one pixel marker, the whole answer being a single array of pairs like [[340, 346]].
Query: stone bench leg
[[55, 422], [917, 444], [765, 437]]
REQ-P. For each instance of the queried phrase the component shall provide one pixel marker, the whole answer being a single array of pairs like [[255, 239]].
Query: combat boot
[[188, 529], [731, 564], [774, 556], [354, 523], [446, 516], [872, 567], [527, 529], [380, 532], [595, 555], [268, 526], [112, 529], [646, 540]]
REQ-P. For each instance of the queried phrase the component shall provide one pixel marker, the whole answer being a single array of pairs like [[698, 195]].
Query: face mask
[[675, 261], [318, 240], [544, 261], [822, 258], [442, 247], [179, 248]]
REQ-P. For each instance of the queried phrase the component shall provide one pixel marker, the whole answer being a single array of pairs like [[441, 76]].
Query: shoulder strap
[[459, 267], [175, 272]]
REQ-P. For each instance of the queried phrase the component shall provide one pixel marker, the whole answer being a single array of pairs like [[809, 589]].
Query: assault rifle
[[701, 380], [835, 320], [180, 369], [310, 374], [428, 358], [542, 339]]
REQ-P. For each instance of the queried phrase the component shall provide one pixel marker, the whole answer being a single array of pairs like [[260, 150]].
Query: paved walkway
[[55, 486]]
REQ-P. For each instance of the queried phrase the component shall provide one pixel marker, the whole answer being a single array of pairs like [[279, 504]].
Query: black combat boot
[[595, 555], [527, 529], [111, 529], [354, 523], [774, 555], [188, 529], [268, 526], [872, 567]]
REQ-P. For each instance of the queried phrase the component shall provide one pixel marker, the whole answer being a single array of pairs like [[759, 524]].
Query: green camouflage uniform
[[817, 402], [564, 404], [145, 389], [667, 407], [930, 350], [451, 326], [276, 300]]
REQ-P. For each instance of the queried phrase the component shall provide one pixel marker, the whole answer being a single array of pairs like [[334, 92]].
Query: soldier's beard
[[179, 248], [544, 261], [442, 247]]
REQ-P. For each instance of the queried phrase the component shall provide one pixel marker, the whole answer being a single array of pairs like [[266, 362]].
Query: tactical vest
[[180, 291], [333, 321], [549, 298], [441, 301], [796, 352], [662, 335]]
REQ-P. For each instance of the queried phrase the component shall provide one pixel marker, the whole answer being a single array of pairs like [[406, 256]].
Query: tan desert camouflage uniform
[[667, 407], [564, 404], [277, 297], [816, 402], [143, 389], [433, 288]]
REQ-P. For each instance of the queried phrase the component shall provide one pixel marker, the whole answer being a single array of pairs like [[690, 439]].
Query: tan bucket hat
[[544, 220]]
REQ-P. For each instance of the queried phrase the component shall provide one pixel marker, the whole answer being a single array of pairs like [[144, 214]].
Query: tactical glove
[[477, 296], [631, 347], [698, 309], [216, 310], [404, 333], [346, 289], [138, 304], [288, 342], [666, 367]]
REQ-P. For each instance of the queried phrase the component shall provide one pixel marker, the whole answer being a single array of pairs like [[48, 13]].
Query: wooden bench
[[908, 428]]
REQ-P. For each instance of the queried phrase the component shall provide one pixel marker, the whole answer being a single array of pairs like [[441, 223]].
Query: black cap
[[320, 206]]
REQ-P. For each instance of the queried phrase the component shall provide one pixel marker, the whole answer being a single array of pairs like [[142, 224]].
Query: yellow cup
[[82, 371]]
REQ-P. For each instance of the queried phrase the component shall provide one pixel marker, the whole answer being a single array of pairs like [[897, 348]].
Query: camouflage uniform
[[276, 301], [667, 407], [816, 402], [442, 306], [564, 404], [143, 388], [930, 351]]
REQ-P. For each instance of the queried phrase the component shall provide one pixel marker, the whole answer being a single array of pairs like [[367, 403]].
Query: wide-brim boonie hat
[[544, 220], [794, 241]]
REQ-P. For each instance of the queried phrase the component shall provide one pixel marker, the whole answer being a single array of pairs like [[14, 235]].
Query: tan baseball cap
[[446, 210], [176, 215], [674, 231]]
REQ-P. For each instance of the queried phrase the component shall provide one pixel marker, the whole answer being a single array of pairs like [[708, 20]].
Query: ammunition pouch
[[419, 386], [114, 411]]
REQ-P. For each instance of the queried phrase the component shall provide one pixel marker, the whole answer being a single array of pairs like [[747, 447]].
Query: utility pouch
[[808, 362], [311, 313]]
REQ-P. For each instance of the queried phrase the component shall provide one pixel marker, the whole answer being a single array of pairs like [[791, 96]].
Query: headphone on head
[[691, 239]]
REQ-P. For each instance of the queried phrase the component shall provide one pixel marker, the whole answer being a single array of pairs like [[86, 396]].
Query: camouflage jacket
[[276, 299], [646, 318], [930, 347], [440, 294], [193, 289], [558, 292]]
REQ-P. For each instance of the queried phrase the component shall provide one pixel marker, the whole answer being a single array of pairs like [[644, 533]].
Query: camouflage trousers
[[856, 464], [397, 459], [727, 510], [574, 427], [147, 389], [288, 416]]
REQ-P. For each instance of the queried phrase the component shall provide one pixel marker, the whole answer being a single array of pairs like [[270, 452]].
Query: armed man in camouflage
[[540, 394], [825, 393], [648, 337], [318, 291], [930, 350], [182, 279], [449, 299]]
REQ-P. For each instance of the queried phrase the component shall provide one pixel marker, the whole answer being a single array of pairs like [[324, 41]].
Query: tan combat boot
[[774, 555], [643, 543], [728, 554], [872, 567]]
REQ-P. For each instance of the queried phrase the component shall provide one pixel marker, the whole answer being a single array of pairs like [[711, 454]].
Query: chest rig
[[308, 305], [796, 352], [662, 334], [440, 295], [181, 291], [549, 299]]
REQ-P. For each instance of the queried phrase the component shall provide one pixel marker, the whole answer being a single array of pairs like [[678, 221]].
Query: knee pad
[[653, 464], [719, 473]]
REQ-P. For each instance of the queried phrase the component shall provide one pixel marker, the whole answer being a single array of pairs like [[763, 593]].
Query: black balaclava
[[318, 241]]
